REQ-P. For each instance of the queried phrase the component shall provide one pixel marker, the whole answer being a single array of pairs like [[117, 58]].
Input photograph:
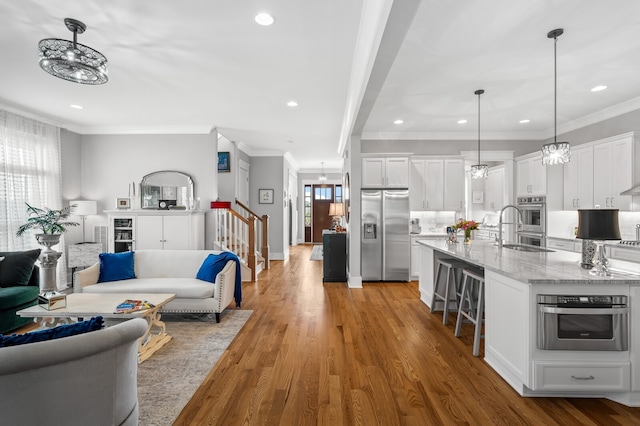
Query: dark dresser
[[334, 256]]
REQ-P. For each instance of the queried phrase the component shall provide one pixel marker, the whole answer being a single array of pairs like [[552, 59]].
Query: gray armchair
[[87, 379]]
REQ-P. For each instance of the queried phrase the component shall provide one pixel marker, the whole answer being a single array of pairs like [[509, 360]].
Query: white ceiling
[[186, 67]]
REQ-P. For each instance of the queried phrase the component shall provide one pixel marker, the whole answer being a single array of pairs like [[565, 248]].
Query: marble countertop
[[557, 267]]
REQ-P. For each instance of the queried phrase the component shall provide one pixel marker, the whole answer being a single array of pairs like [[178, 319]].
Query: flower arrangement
[[467, 226]]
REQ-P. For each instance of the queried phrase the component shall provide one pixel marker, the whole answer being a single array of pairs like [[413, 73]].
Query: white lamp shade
[[336, 209], [84, 207]]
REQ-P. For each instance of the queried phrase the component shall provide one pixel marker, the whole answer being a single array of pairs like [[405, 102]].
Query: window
[[323, 193], [307, 205]]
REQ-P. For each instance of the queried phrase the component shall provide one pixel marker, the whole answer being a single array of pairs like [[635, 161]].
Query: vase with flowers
[[467, 226]]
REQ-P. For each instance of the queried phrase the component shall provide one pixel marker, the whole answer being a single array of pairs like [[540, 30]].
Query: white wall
[[268, 173], [109, 163]]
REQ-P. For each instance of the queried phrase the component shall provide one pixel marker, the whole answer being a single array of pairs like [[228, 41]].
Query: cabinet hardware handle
[[606, 202], [611, 201], [582, 378]]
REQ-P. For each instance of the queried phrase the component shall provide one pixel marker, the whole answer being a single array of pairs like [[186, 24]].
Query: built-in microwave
[[583, 322]]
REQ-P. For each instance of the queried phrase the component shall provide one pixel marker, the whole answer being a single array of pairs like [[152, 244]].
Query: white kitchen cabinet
[[434, 184], [634, 337], [581, 376], [531, 175], [385, 172], [494, 189], [156, 229], [417, 185], [454, 184], [562, 244], [578, 179], [613, 173]]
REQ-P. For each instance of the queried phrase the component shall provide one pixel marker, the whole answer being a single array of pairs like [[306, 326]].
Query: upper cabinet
[[385, 172], [531, 175], [436, 184], [613, 173], [494, 189], [578, 179]]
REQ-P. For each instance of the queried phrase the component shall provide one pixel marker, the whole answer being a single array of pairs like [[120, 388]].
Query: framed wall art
[[265, 196], [223, 162]]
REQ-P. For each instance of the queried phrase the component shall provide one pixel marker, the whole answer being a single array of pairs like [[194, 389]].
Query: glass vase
[[467, 236]]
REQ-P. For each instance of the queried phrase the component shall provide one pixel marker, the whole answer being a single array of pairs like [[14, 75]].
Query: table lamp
[[599, 225], [336, 210], [83, 208]]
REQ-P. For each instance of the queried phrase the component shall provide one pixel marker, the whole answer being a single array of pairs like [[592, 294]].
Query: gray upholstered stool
[[446, 292], [471, 304]]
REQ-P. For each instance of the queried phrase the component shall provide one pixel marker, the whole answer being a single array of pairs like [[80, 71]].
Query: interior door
[[243, 182], [322, 196]]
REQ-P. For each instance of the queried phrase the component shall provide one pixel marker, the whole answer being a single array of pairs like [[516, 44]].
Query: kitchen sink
[[522, 247]]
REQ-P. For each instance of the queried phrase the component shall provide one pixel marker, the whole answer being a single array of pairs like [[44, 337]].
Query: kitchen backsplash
[[435, 220], [561, 224]]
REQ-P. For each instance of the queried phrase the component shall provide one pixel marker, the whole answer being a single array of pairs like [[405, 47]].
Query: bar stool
[[472, 298], [451, 269]]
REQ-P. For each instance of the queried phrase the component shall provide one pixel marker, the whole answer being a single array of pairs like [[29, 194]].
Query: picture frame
[[265, 196], [223, 162], [477, 197], [123, 203]]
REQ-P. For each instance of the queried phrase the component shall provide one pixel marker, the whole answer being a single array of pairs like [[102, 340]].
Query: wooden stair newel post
[[265, 240], [251, 255]]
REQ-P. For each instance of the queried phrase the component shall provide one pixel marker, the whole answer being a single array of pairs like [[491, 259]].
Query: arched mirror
[[166, 189]]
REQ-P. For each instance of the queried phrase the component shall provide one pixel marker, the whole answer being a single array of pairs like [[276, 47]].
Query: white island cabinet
[[513, 282]]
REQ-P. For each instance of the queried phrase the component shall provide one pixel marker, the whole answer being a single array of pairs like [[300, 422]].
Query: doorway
[[316, 209]]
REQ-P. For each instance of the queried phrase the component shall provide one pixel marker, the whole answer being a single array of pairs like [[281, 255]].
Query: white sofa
[[87, 379], [169, 271]]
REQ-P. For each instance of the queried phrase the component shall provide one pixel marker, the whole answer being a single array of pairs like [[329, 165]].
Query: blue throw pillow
[[116, 266], [65, 330]]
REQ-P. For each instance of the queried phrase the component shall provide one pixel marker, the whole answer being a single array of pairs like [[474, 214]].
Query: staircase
[[244, 233]]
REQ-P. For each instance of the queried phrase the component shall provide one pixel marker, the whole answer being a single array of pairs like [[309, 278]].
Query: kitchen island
[[513, 281]]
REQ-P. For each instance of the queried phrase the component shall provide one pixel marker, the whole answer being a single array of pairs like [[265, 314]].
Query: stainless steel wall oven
[[534, 221], [583, 323]]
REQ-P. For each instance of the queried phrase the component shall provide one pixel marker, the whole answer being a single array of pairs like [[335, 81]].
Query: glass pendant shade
[[479, 171], [72, 61], [323, 177], [555, 152]]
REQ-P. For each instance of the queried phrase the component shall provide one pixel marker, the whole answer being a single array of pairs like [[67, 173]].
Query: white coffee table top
[[94, 304]]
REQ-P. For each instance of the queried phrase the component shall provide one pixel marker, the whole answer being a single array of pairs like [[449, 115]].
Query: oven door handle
[[583, 311]]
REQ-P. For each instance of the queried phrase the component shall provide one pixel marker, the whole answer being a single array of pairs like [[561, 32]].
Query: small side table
[[334, 248]]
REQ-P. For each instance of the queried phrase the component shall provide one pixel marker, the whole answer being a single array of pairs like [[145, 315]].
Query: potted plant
[[51, 222]]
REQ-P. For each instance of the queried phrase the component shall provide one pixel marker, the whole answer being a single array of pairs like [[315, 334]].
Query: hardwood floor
[[321, 353]]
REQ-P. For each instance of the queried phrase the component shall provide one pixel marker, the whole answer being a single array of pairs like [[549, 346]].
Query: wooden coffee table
[[86, 305]]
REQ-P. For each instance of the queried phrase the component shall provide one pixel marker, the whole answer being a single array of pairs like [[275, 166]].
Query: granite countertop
[[557, 267], [429, 234]]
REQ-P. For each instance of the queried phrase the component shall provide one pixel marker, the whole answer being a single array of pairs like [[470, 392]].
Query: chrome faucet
[[500, 223], [638, 232]]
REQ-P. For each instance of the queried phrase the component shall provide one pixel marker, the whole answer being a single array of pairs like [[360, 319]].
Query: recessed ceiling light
[[76, 106], [398, 122], [292, 104], [264, 19], [463, 121], [526, 120], [598, 88]]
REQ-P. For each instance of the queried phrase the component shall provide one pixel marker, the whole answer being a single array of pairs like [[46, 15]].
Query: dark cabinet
[[334, 256]]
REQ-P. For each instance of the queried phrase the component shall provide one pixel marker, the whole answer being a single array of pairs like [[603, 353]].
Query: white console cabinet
[[156, 229]]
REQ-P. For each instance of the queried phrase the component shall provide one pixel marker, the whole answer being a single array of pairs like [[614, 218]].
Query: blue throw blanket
[[214, 263]]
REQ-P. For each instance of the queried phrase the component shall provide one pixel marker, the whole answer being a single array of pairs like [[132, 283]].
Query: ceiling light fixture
[[264, 19], [526, 120], [479, 171], [74, 106], [398, 122], [292, 104], [72, 61], [462, 121], [598, 88], [555, 152], [323, 177]]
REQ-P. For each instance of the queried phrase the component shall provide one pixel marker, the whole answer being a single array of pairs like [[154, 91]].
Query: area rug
[[316, 253], [168, 380]]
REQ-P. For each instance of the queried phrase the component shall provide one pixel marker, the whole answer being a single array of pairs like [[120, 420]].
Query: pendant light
[[72, 61], [323, 177], [479, 171], [555, 152]]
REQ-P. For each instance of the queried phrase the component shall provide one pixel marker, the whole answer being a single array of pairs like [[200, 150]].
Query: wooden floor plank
[[321, 353]]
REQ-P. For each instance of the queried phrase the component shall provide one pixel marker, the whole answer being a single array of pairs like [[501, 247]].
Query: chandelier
[[555, 152], [71, 60], [479, 171], [323, 177]]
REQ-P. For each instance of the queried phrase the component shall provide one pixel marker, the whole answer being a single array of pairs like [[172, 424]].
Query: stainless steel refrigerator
[[385, 247]]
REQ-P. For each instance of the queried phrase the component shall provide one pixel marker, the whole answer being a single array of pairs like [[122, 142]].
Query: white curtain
[[30, 173]]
